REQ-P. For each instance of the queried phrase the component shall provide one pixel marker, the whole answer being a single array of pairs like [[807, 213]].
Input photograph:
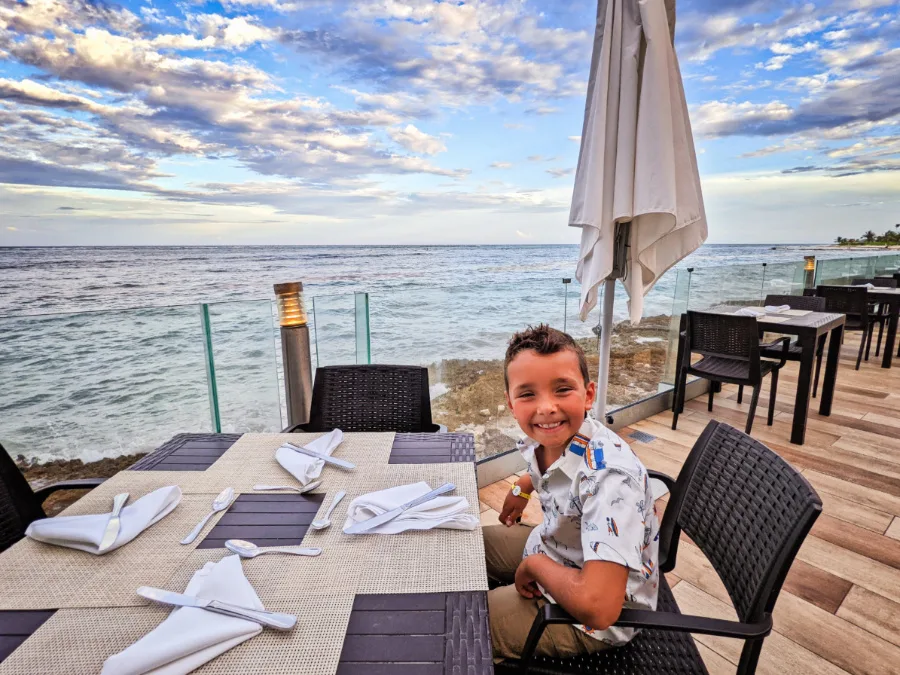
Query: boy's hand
[[513, 507], [526, 583]]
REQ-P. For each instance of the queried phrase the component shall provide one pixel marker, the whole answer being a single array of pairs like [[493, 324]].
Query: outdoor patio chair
[[20, 505], [748, 511], [878, 311], [370, 398], [730, 349], [852, 301]]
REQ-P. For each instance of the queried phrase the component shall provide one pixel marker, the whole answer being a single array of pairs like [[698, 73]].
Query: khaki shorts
[[510, 614]]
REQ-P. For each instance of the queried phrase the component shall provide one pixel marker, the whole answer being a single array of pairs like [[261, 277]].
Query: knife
[[328, 459], [114, 524], [367, 525], [271, 619]]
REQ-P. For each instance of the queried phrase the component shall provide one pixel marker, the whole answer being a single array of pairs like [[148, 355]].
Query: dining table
[[808, 327], [413, 602]]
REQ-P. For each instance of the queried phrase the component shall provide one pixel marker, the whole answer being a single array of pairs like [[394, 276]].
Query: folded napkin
[[86, 532], [869, 286], [303, 467], [750, 311], [775, 309], [445, 512], [191, 636]]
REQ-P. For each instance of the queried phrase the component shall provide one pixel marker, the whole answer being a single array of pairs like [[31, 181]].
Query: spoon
[[247, 549], [326, 521], [222, 502], [299, 490]]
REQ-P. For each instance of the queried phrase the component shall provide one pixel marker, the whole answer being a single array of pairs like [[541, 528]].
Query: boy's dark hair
[[543, 340]]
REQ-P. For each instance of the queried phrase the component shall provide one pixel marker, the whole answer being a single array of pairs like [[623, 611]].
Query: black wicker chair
[[370, 398], [748, 511], [853, 301], [19, 505], [878, 312], [730, 348]]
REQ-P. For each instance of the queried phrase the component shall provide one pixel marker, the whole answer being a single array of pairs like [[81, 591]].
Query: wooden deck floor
[[839, 611]]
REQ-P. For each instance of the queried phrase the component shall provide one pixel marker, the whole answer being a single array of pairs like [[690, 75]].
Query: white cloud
[[501, 165], [775, 63], [577, 139], [789, 49], [417, 141], [524, 235], [560, 173]]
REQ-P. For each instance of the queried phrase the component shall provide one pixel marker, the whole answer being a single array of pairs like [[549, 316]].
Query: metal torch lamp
[[295, 351], [809, 269]]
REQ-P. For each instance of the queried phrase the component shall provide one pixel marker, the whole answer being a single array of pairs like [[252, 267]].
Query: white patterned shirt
[[598, 505]]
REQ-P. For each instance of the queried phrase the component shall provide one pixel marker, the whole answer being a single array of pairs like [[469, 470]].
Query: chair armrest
[[76, 484], [785, 348], [663, 478], [296, 429], [645, 618]]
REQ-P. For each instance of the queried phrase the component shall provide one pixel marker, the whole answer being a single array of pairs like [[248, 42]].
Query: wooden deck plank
[[893, 530], [858, 539], [779, 656], [876, 614]]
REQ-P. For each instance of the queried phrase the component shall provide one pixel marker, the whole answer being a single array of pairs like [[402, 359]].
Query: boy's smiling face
[[547, 396]]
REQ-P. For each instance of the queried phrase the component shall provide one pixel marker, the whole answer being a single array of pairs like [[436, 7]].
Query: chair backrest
[[849, 300], [371, 398], [725, 335], [881, 283], [748, 511], [18, 505], [810, 303]]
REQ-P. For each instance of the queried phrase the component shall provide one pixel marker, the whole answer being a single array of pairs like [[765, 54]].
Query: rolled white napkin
[[774, 309], [303, 467], [869, 286], [444, 512], [192, 636], [750, 311], [86, 532]]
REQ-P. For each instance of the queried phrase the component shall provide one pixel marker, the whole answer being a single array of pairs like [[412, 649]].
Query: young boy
[[595, 550]]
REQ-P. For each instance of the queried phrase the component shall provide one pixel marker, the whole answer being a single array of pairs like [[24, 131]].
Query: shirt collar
[[573, 457]]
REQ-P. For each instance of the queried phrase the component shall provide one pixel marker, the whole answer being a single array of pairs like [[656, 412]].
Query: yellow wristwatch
[[517, 492]]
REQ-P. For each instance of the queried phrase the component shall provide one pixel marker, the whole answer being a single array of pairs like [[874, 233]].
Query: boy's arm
[[593, 595], [514, 506]]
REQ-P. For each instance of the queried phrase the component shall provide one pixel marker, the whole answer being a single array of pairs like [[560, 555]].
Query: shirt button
[[545, 476]]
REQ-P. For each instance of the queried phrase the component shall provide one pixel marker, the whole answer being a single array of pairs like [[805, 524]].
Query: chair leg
[[862, 346], [880, 331], [680, 380], [773, 392], [753, 401], [740, 394], [712, 393], [871, 332], [819, 353]]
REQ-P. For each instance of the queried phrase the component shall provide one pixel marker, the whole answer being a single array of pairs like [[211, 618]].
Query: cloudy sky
[[421, 121]]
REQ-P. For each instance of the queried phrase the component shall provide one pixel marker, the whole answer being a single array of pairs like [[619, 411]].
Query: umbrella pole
[[609, 298]]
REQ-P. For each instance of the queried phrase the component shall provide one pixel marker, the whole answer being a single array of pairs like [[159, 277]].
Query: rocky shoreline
[[474, 402], [42, 474]]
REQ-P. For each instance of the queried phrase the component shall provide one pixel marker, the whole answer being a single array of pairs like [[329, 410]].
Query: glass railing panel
[[460, 334], [680, 297], [102, 384], [332, 320], [783, 279], [243, 337], [738, 285]]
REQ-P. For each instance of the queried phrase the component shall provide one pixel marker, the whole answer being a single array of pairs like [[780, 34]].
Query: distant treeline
[[889, 238]]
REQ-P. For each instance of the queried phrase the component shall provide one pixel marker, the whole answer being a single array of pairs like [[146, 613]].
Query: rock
[[486, 412], [501, 408]]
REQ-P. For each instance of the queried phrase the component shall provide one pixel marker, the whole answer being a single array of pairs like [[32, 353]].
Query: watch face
[[516, 490]]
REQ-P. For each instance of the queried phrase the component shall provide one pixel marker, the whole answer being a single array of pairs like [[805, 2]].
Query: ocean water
[[102, 352]]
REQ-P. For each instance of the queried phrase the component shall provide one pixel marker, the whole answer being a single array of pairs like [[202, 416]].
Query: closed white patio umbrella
[[637, 195]]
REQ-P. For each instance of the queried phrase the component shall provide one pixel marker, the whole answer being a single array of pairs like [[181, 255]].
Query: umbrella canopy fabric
[[637, 162]]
